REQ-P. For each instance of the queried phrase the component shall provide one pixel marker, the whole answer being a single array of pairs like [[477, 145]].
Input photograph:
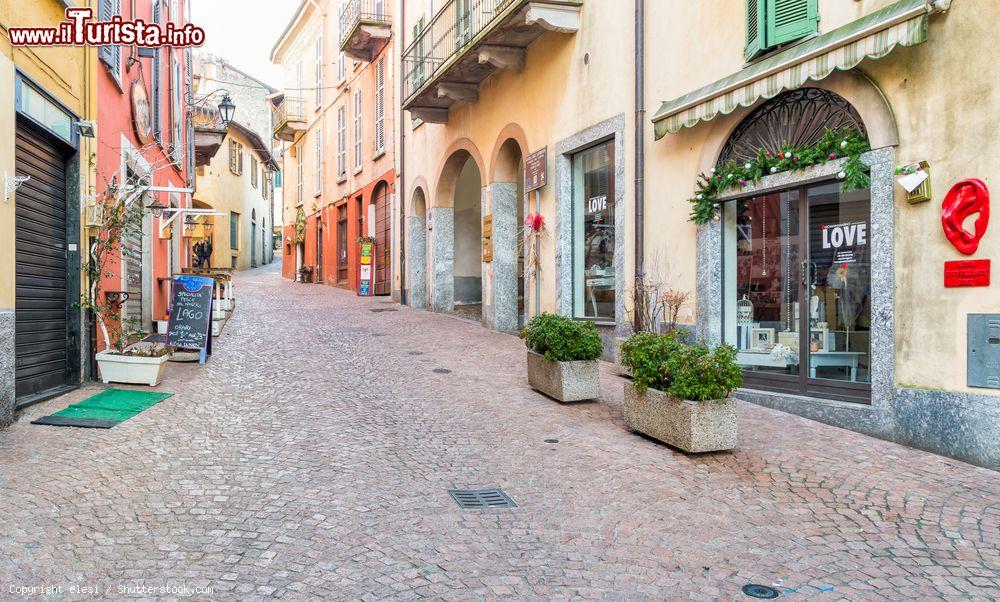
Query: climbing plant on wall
[[847, 144]]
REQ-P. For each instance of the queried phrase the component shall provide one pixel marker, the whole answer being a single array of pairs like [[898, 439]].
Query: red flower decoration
[[534, 221], [833, 155]]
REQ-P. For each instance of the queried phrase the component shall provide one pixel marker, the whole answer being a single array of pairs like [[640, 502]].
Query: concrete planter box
[[564, 381], [693, 426], [131, 369]]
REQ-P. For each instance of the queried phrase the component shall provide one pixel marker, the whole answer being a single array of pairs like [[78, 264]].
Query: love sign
[[853, 234]]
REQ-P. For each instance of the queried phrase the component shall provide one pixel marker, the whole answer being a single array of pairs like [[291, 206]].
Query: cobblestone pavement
[[311, 458]]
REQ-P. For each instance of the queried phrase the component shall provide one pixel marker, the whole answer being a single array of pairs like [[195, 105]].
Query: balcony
[[289, 119], [365, 28], [469, 40]]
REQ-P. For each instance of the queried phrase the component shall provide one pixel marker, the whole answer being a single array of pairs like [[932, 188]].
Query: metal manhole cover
[[441, 371], [481, 498], [763, 592], [416, 353], [552, 441]]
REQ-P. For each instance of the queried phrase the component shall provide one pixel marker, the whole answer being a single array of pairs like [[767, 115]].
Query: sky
[[244, 31]]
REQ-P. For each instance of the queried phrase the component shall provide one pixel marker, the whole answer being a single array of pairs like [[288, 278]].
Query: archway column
[[416, 264], [442, 228], [500, 309]]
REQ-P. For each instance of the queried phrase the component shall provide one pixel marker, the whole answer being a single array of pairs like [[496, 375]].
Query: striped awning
[[903, 23]]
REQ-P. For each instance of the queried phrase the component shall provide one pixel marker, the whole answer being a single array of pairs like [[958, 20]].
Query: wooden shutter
[[155, 79], [380, 106], [755, 28], [110, 55], [789, 20]]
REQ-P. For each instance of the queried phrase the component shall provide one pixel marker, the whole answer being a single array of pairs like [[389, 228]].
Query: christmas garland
[[834, 145]]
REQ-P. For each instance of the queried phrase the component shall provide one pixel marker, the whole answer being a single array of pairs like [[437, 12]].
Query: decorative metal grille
[[481, 498], [797, 118]]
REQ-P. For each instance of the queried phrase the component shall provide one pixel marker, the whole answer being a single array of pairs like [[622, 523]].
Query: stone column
[[443, 261], [708, 278], [416, 261], [504, 201], [7, 363]]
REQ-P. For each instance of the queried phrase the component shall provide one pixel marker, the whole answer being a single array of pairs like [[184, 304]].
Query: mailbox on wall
[[984, 351]]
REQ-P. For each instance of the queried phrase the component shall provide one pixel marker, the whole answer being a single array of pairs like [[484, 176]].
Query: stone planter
[[564, 381], [131, 369], [693, 426]]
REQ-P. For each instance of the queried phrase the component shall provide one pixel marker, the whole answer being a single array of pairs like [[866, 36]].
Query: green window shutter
[[789, 20], [755, 28]]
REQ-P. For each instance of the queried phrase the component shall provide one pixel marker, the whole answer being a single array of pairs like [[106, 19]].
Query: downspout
[[401, 153], [640, 151]]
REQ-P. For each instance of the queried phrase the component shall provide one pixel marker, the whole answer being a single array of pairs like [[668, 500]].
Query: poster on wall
[[365, 283], [844, 242]]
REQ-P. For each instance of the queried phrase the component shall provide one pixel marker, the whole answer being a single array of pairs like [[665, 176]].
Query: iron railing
[[449, 32], [288, 111], [355, 12]]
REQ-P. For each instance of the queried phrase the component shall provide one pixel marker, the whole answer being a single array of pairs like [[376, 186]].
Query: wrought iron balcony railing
[[288, 117], [454, 27], [364, 27]]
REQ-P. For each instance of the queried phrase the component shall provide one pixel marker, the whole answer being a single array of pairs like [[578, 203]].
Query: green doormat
[[104, 410]]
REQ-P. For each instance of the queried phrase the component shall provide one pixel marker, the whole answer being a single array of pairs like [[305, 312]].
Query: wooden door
[[383, 240]]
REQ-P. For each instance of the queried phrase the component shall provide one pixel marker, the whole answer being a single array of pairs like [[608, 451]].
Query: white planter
[[161, 326], [693, 426], [130, 369], [564, 381]]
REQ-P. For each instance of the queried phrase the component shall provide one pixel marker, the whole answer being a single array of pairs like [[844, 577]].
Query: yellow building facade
[[864, 336], [48, 171]]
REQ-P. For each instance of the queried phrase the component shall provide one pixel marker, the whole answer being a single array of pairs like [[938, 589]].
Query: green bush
[[645, 355], [683, 371], [702, 374], [561, 339]]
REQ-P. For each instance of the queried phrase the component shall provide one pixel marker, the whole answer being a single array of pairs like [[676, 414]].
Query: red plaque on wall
[[967, 273]]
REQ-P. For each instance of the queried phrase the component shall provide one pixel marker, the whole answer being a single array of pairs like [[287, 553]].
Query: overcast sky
[[244, 31]]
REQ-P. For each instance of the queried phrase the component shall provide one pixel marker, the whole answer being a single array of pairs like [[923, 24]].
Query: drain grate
[[441, 371], [481, 498], [763, 592], [416, 353], [379, 310]]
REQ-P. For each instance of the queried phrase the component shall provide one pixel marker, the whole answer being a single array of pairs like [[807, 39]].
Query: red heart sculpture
[[964, 199]]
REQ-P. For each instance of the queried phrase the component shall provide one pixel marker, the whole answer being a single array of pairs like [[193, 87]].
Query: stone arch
[[456, 155], [502, 162], [853, 86], [416, 252]]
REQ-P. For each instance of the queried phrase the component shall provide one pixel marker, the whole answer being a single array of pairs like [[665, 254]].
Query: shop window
[[594, 233], [771, 23], [797, 271]]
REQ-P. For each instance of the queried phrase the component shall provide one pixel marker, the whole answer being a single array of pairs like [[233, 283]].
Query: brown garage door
[[383, 241], [41, 305]]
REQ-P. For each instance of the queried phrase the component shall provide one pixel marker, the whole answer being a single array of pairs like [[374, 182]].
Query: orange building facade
[[335, 121]]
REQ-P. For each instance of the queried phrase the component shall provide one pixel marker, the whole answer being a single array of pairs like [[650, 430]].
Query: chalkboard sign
[[190, 312]]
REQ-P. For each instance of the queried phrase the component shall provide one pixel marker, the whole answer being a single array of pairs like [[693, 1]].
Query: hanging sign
[[141, 121], [967, 273], [365, 283], [535, 168], [190, 320]]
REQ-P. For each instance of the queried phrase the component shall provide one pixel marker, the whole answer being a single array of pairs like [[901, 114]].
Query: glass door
[[797, 290]]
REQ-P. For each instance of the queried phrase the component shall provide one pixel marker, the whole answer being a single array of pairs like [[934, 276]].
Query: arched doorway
[[507, 206], [382, 231], [416, 238], [468, 257], [798, 257]]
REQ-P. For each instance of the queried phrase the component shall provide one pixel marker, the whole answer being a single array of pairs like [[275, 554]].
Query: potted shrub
[[680, 392], [124, 360], [562, 357]]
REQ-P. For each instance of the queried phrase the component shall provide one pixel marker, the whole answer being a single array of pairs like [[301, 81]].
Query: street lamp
[[227, 109]]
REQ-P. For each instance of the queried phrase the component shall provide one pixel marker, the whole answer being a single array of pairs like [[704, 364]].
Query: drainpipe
[[640, 151], [401, 153]]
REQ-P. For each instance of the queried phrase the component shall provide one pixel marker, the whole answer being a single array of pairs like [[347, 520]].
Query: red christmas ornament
[[964, 199]]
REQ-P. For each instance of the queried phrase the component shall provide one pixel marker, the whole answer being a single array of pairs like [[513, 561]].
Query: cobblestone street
[[312, 455]]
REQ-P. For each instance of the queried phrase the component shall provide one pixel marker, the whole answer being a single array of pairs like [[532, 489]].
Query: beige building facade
[[834, 293]]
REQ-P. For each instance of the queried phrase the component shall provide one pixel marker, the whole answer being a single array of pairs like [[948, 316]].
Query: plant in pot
[[680, 392], [124, 359], [562, 357]]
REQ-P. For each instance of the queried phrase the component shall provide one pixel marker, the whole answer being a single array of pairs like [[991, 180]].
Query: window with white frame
[[319, 160], [319, 71], [357, 130], [341, 142], [299, 173], [380, 106]]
